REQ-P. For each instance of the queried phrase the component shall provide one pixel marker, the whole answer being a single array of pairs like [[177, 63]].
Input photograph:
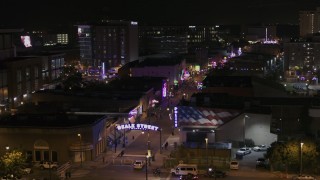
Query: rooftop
[[57, 120], [205, 117]]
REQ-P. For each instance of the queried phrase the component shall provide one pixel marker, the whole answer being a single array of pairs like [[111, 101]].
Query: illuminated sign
[[79, 31], [134, 23], [175, 116], [164, 90], [138, 127], [26, 41]]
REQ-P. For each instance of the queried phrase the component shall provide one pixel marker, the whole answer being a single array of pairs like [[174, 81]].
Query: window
[[46, 156], [28, 73], [37, 155], [54, 157], [19, 76], [36, 72]]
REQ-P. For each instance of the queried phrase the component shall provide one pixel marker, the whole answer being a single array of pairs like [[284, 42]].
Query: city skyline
[[177, 12]]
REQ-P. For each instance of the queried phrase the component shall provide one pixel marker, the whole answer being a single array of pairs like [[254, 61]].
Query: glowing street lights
[[301, 145], [207, 152], [244, 129], [147, 156], [80, 138]]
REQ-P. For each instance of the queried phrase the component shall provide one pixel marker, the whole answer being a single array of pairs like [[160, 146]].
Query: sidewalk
[[81, 170], [78, 170], [107, 158]]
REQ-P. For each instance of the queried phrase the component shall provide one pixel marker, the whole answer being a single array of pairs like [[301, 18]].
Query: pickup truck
[[48, 165]]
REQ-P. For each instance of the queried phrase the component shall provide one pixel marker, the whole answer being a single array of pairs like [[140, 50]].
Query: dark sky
[[192, 12]]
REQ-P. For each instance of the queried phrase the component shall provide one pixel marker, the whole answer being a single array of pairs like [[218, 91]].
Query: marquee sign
[[138, 127]]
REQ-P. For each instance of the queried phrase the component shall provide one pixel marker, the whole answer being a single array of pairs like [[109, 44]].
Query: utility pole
[[115, 139], [80, 137], [160, 141]]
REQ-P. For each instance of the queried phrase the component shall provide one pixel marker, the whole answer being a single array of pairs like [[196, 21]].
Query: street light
[[79, 135], [147, 167], [244, 130], [160, 141], [7, 148], [301, 145], [207, 152]]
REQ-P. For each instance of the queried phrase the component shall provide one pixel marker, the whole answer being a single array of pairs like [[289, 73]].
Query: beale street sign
[[138, 127]]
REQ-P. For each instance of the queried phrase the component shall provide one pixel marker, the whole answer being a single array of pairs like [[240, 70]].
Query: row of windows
[[5, 41], [3, 79], [27, 74]]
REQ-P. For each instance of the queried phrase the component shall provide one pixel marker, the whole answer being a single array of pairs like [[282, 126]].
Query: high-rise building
[[163, 40], [302, 54], [176, 39], [62, 38], [309, 22], [113, 43], [22, 75]]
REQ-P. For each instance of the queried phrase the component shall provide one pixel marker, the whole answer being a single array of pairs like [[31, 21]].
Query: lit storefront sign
[[138, 127], [175, 117]]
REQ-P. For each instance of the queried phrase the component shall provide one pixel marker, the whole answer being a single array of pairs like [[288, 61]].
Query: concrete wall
[[257, 128]]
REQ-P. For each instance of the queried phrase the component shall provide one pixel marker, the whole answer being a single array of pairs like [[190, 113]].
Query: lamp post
[[160, 141], [79, 135], [115, 138], [124, 135], [301, 145], [244, 130], [149, 145], [147, 167], [207, 152]]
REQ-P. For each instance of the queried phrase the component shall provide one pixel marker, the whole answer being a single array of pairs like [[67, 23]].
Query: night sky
[[190, 12]]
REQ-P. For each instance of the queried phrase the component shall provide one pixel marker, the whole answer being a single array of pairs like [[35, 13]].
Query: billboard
[[26, 41]]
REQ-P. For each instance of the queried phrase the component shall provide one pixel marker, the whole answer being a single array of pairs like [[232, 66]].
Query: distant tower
[[110, 43], [266, 34]]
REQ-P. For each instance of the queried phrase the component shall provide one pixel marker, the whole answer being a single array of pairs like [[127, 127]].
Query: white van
[[185, 169]]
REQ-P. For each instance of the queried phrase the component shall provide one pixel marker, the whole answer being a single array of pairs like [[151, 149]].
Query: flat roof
[[202, 117], [55, 120], [3, 31]]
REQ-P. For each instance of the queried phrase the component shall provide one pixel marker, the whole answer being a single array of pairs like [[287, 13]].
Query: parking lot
[[248, 161]]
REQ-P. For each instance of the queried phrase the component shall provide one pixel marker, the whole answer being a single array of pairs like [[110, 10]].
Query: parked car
[[138, 164], [304, 177], [26, 170], [260, 148], [217, 174], [184, 169], [188, 177], [261, 162], [234, 165], [48, 165], [244, 151]]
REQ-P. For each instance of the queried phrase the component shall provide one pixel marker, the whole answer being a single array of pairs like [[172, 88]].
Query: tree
[[287, 155], [71, 79], [11, 162]]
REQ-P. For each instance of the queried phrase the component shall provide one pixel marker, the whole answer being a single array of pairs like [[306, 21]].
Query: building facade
[[309, 22], [176, 39], [112, 43]]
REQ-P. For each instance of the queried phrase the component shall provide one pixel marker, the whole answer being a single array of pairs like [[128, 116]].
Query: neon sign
[[164, 90], [138, 127], [175, 117]]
